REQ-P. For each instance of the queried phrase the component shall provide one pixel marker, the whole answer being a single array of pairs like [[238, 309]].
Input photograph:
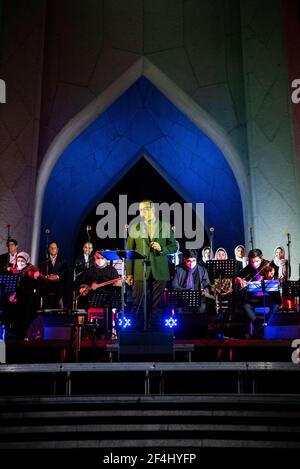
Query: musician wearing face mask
[[100, 272], [191, 275], [22, 305], [257, 270]]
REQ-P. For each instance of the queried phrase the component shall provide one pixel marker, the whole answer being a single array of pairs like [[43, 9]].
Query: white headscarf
[[280, 263], [244, 260], [24, 256], [211, 254], [217, 251]]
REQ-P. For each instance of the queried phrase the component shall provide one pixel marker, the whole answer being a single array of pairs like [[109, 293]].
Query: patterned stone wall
[[21, 54], [270, 140]]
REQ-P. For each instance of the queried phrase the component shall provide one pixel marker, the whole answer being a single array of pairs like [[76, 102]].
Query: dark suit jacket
[[80, 264], [60, 268], [157, 262], [200, 276], [4, 261]]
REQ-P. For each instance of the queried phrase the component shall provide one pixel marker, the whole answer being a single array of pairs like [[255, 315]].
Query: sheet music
[[269, 286]]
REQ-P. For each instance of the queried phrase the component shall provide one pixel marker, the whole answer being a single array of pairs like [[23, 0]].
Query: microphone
[[47, 231], [88, 229]]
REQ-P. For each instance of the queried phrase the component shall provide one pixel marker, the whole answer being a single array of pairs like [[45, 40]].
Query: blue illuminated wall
[[142, 120]]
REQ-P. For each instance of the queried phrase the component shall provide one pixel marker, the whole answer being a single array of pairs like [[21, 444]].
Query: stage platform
[[147, 378], [107, 350]]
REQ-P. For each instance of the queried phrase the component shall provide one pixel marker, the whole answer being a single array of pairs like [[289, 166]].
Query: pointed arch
[[85, 117]]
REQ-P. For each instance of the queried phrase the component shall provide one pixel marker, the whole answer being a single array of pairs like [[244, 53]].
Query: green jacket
[[157, 262]]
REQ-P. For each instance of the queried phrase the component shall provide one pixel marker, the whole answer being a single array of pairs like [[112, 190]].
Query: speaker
[[283, 326], [56, 327], [146, 346]]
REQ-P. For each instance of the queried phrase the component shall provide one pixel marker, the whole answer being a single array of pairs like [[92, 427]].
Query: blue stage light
[[171, 322], [124, 323]]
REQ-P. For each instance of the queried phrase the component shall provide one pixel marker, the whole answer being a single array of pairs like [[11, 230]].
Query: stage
[[106, 350]]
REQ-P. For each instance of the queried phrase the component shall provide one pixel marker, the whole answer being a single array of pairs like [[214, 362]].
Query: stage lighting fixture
[[171, 322], [124, 323]]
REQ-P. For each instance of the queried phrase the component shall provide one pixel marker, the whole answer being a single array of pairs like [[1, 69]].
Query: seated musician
[[240, 258], [280, 264], [190, 275], [22, 305], [257, 270], [100, 272]]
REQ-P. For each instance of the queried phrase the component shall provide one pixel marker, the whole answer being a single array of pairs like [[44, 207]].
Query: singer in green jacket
[[155, 239]]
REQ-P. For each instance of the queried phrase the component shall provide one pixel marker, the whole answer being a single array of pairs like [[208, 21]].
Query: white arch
[[85, 117]]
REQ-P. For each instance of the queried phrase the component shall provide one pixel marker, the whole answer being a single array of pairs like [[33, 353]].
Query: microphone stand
[[289, 255], [251, 237], [144, 234], [123, 284], [212, 230], [47, 232]]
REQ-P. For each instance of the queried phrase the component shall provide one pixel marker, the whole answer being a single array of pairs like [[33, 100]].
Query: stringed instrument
[[266, 272], [86, 289]]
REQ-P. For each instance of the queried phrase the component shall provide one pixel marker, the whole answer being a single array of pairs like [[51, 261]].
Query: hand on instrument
[[53, 277], [84, 290], [241, 281]]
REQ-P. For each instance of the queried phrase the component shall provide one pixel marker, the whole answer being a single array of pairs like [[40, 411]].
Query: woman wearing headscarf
[[24, 303], [240, 259], [207, 255], [221, 254], [222, 286], [280, 263]]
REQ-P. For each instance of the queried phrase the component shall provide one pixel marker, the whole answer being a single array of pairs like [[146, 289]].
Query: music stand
[[9, 282], [263, 288], [182, 298], [224, 268], [220, 269], [107, 300], [123, 255]]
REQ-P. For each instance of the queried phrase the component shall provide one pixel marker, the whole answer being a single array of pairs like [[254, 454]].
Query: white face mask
[[100, 262], [190, 263], [20, 265]]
